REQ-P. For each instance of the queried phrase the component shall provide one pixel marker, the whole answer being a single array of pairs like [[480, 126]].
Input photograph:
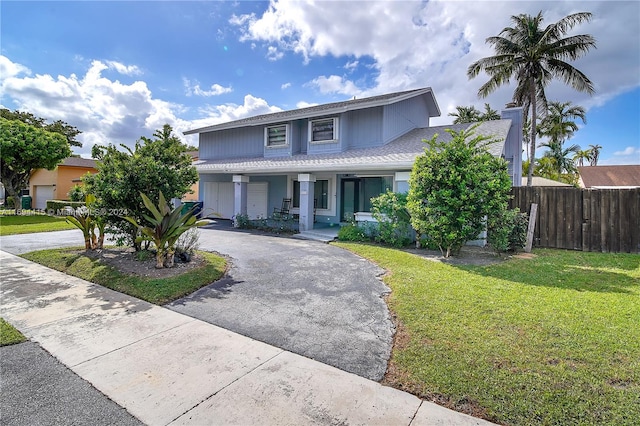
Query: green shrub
[[56, 206], [394, 221], [507, 231], [352, 232], [77, 193], [11, 202]]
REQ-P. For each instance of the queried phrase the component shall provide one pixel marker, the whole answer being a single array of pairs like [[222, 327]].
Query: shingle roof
[[79, 162], [318, 110], [540, 181], [398, 154], [602, 176]]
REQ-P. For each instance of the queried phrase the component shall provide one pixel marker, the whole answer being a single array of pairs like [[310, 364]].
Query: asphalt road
[[36, 389]]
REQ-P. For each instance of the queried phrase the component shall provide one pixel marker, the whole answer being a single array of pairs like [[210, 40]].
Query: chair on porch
[[283, 211]]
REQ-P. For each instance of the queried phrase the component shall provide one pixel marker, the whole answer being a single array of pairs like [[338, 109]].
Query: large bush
[[154, 166], [507, 231], [394, 221], [454, 186]]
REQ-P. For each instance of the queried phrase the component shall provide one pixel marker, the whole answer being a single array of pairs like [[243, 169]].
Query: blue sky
[[119, 70]]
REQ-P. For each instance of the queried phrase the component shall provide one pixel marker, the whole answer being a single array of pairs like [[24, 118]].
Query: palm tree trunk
[[532, 148]]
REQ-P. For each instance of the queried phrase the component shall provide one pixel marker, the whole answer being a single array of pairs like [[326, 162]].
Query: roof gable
[[325, 109]]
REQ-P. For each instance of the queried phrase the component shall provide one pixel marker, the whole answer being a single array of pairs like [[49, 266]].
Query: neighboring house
[[540, 181], [609, 177], [331, 159], [194, 196], [55, 184]]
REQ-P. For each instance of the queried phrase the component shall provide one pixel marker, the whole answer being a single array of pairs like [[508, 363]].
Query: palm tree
[[595, 154], [466, 114], [581, 155], [489, 114], [559, 124], [534, 56], [562, 156]]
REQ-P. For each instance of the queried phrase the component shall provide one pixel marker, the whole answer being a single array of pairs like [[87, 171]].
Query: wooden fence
[[605, 220]]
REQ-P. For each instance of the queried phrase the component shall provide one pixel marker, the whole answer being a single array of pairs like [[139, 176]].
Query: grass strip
[[11, 225], [551, 340], [154, 290], [9, 335]]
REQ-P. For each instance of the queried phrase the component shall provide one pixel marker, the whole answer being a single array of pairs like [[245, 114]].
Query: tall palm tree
[[595, 154], [465, 114], [581, 156], [559, 125], [534, 56]]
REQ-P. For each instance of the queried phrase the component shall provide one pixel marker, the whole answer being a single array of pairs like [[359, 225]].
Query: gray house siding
[[232, 143], [401, 117], [362, 128]]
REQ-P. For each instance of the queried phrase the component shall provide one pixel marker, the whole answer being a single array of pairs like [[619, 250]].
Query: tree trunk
[[169, 258], [532, 148], [160, 256]]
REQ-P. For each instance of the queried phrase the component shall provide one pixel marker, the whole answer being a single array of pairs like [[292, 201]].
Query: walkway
[[166, 368]]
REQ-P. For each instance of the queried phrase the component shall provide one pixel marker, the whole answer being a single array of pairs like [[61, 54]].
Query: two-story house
[[329, 159]]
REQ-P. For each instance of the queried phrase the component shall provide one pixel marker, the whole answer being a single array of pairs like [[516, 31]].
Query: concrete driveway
[[303, 296]]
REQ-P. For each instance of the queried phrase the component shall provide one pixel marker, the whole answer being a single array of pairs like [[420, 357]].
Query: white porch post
[[240, 183], [307, 187]]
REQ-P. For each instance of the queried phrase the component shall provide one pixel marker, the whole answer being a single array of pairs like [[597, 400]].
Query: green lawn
[[553, 340], [154, 290], [11, 224], [9, 335]]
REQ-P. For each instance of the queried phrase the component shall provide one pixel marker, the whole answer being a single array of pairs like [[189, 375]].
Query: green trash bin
[[26, 202]]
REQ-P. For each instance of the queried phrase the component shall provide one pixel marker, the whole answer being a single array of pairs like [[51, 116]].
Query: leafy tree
[[453, 187], [25, 148], [59, 126], [562, 157], [465, 114], [534, 56], [394, 221], [154, 165]]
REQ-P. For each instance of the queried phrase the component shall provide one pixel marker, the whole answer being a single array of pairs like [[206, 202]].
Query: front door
[[350, 199]]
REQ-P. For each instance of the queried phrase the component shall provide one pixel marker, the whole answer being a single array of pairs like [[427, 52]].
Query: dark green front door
[[349, 200]]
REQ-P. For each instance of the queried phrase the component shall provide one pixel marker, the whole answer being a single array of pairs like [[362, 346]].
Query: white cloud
[[334, 84], [629, 155], [194, 89], [351, 65], [303, 104], [285, 86], [417, 44], [215, 114], [129, 70], [273, 54], [105, 111]]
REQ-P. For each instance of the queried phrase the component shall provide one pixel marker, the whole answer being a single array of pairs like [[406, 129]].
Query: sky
[[119, 70]]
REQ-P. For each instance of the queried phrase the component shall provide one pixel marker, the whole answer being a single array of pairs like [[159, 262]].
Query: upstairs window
[[276, 136], [323, 130]]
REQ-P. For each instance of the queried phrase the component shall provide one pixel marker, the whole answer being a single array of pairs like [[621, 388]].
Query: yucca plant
[[82, 219], [167, 225]]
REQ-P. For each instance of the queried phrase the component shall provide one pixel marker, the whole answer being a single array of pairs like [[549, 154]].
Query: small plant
[[352, 232], [507, 231], [167, 224], [241, 221], [87, 222], [143, 255], [187, 244]]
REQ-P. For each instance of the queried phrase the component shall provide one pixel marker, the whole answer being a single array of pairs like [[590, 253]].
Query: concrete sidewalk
[[166, 368]]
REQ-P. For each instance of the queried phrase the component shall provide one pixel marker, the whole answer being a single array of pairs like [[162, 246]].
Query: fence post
[[532, 226]]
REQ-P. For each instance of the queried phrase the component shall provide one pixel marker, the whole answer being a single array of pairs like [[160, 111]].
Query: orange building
[[55, 184]]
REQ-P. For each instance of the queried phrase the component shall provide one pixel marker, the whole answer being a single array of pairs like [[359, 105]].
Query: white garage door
[[257, 200], [218, 199], [42, 194]]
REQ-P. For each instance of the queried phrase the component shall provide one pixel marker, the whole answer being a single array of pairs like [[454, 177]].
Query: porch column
[[307, 187], [240, 183]]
